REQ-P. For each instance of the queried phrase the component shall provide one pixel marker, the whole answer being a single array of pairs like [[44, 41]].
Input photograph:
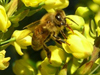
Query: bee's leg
[[47, 51], [63, 34], [58, 39]]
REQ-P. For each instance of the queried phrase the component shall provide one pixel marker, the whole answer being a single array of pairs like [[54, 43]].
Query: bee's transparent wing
[[32, 25], [28, 29]]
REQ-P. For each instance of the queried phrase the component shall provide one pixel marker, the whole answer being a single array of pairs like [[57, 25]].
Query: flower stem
[[94, 69], [12, 8], [7, 41]]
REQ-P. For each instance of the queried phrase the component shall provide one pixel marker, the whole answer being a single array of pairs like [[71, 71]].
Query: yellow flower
[[87, 28], [21, 42], [98, 30], [63, 71], [51, 5], [83, 12], [43, 55], [96, 1], [57, 56], [32, 3], [77, 19], [79, 46], [47, 69], [4, 21], [85, 69], [97, 61], [22, 67], [75, 63], [93, 6], [97, 20], [3, 61]]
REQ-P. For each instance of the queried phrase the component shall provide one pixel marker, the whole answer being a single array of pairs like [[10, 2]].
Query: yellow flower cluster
[[68, 56], [91, 17], [49, 5]]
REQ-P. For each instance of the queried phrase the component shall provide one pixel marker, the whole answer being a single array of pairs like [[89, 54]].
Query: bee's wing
[[32, 25], [28, 29]]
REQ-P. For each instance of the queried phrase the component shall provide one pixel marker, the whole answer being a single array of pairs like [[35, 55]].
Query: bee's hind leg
[[47, 51]]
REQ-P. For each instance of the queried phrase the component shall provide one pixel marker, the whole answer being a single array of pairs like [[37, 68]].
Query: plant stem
[[95, 69], [7, 41]]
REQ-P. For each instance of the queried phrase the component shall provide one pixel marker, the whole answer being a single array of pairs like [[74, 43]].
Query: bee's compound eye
[[58, 17]]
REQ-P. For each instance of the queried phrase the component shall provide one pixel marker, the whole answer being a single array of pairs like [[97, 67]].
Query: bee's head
[[60, 18]]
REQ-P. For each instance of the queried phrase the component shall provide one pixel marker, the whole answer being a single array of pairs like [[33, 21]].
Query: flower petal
[[18, 48]]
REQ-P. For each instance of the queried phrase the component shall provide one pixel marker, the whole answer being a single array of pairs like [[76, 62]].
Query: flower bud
[[96, 1], [63, 72], [93, 6], [78, 46], [77, 19], [87, 33], [97, 21], [97, 61], [4, 62], [21, 42], [83, 12], [43, 54], [84, 69], [22, 67], [57, 56], [32, 3], [55, 4], [47, 69], [75, 64], [98, 30], [4, 21], [49, 5]]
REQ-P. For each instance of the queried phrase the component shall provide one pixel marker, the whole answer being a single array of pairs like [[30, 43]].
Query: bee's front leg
[[63, 34], [57, 39]]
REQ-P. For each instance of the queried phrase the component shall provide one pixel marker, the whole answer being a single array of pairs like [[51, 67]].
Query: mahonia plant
[[78, 56]]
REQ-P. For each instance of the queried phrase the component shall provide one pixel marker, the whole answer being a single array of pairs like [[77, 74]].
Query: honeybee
[[49, 26]]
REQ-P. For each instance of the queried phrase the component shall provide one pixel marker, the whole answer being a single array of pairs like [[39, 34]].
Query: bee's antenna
[[72, 20]]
